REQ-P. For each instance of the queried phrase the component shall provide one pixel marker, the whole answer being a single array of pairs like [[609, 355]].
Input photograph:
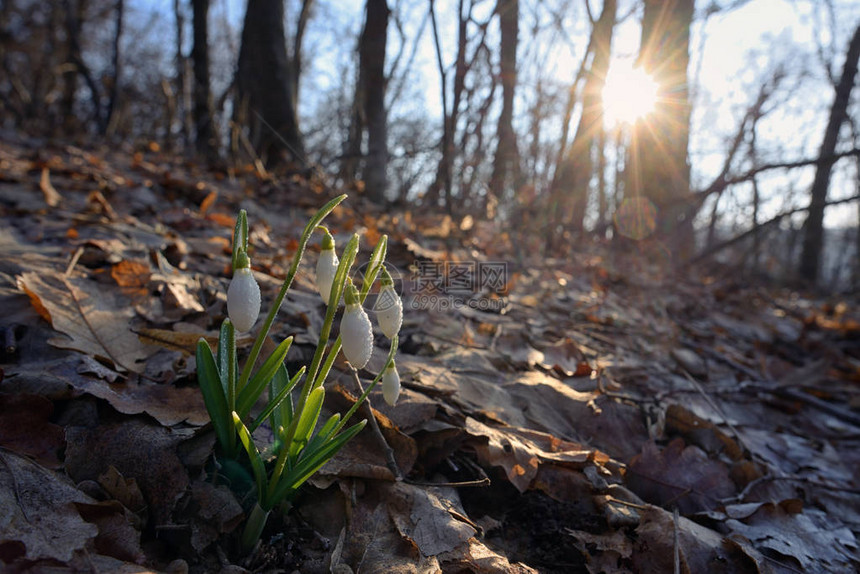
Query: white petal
[[326, 268], [243, 300], [356, 335], [391, 385], [389, 311]]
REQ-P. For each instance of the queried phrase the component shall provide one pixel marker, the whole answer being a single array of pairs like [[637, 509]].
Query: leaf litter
[[601, 417]]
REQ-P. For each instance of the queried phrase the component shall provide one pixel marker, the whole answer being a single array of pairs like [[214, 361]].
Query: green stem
[[357, 403], [276, 306], [350, 252], [231, 384], [374, 265]]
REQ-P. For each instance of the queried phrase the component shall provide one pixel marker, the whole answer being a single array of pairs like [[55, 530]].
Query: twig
[[386, 448], [485, 481]]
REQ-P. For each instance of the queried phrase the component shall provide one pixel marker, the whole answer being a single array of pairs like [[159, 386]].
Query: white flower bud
[[356, 335], [391, 384], [389, 311], [243, 299], [326, 268]]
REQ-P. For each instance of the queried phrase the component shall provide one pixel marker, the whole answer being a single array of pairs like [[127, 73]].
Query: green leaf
[[283, 417], [308, 465], [276, 386], [323, 434], [240, 236], [377, 259], [251, 392], [254, 455], [213, 395], [307, 421]]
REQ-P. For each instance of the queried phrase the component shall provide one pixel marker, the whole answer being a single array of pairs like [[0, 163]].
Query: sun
[[628, 94]]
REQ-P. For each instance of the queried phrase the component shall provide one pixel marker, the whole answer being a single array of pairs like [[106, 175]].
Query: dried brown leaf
[[37, 511], [679, 475], [95, 321], [429, 517], [137, 449], [25, 428]]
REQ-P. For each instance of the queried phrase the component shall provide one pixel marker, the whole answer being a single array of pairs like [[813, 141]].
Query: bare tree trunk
[[73, 28], [351, 155], [602, 199], [295, 60], [571, 181], [813, 237], [181, 77], [506, 161], [658, 168], [372, 61], [264, 84], [113, 94], [442, 185], [205, 138], [70, 73]]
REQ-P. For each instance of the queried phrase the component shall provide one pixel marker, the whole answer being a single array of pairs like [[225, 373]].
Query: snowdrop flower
[[388, 307], [326, 267], [243, 295], [391, 384], [356, 332]]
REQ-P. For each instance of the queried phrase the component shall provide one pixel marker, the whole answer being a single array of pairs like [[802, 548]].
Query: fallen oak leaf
[[95, 321], [522, 451], [37, 512], [429, 517], [182, 341], [25, 428], [138, 449]]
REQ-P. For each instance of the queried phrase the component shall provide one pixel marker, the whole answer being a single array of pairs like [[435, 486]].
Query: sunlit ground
[[629, 94]]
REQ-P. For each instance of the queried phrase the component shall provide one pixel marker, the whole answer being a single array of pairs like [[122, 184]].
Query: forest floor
[[581, 414]]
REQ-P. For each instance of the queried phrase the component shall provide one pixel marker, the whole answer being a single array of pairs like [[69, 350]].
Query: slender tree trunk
[[181, 77], [296, 61], [372, 61], [264, 84], [506, 161], [442, 185], [571, 181], [205, 139], [813, 237], [73, 28], [113, 95], [351, 156], [659, 170], [70, 74]]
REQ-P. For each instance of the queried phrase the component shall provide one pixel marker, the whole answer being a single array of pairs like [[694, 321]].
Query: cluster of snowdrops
[[300, 445]]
